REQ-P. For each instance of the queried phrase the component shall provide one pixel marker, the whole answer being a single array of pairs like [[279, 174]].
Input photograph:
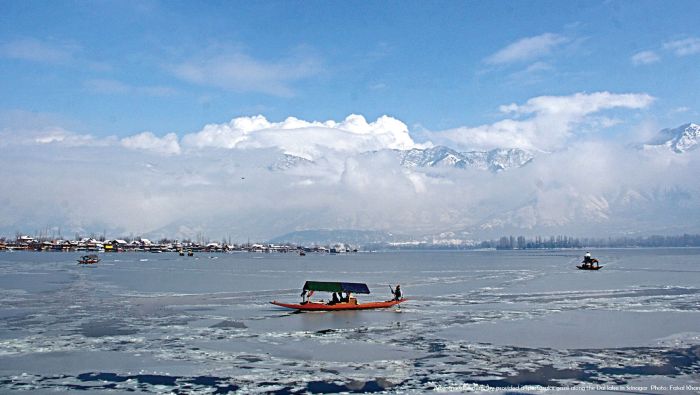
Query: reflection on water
[[475, 320]]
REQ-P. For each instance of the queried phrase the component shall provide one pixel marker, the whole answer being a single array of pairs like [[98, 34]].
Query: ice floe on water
[[525, 322]]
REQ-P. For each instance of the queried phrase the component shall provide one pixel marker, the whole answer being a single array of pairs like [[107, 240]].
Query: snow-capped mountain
[[499, 159], [681, 139], [287, 161], [440, 156], [495, 160]]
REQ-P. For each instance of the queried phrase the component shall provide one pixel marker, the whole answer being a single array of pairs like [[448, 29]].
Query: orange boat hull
[[311, 306]]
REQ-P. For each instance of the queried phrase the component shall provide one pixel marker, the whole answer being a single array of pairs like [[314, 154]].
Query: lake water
[[525, 321]]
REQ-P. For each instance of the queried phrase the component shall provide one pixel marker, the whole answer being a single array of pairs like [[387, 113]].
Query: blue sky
[[182, 104], [120, 68]]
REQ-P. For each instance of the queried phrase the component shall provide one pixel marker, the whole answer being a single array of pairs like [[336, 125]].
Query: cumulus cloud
[[306, 139], [303, 138], [645, 57], [684, 47], [527, 48], [239, 72], [147, 141], [543, 122]]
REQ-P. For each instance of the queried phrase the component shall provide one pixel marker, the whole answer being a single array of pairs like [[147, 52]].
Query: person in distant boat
[[334, 299], [396, 292], [346, 298], [588, 261]]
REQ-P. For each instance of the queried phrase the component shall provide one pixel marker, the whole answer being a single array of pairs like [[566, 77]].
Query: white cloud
[[53, 52], [542, 123], [167, 144], [303, 138], [684, 47], [234, 191], [306, 139], [538, 67], [108, 86], [18, 127], [645, 57], [527, 48], [58, 135], [579, 104], [532, 74], [241, 73], [37, 51]]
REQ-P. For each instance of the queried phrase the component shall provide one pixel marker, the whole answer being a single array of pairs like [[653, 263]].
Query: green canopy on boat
[[326, 286]]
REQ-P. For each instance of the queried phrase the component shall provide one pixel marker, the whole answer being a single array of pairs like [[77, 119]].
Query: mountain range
[[679, 140], [625, 207], [438, 194], [494, 160]]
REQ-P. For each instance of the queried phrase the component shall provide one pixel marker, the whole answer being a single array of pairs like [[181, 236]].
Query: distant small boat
[[190, 253], [88, 259], [302, 253], [589, 264]]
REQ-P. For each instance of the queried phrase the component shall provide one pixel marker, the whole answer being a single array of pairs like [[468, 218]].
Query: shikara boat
[[586, 267], [589, 264], [88, 259], [348, 303]]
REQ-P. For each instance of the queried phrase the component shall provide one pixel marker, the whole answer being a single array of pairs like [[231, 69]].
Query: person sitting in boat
[[306, 296], [396, 292], [587, 260], [346, 298], [334, 299]]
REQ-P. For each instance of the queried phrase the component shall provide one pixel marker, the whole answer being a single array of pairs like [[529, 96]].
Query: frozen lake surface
[[475, 321]]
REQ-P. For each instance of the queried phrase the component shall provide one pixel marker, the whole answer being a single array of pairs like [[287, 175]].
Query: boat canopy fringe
[[325, 286]]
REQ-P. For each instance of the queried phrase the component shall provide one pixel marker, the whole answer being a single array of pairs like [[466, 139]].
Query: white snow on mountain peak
[[494, 160], [681, 139]]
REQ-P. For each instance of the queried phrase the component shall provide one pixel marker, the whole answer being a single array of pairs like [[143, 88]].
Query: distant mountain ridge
[[287, 161], [679, 140], [494, 160]]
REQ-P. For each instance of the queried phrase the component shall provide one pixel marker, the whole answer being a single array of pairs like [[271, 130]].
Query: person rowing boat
[[398, 295], [589, 263]]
